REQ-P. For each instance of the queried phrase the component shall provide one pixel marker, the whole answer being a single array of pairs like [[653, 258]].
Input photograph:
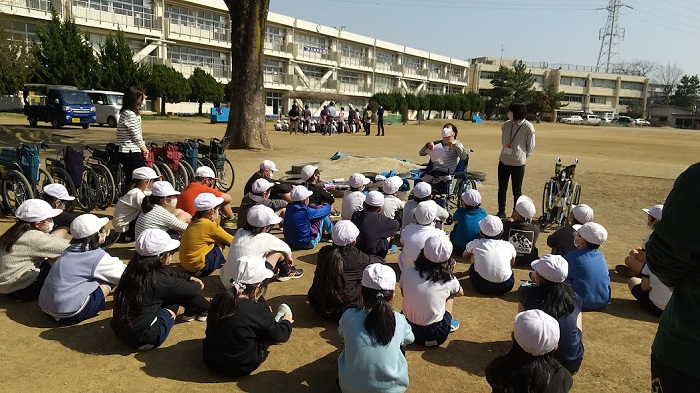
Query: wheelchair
[[21, 175], [79, 179], [449, 187], [213, 155], [560, 193]]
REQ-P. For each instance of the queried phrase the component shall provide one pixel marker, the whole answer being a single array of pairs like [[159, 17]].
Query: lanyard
[[516, 132]]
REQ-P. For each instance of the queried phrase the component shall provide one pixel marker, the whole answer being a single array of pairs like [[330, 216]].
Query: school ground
[[622, 170]]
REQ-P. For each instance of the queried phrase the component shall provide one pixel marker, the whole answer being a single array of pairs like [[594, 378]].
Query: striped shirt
[[450, 160], [129, 137], [159, 218]]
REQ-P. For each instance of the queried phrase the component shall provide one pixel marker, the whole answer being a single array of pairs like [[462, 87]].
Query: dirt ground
[[622, 170]]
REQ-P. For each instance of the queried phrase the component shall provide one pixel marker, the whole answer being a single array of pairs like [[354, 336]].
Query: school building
[[302, 56]]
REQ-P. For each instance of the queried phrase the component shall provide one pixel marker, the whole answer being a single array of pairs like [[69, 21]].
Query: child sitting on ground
[[128, 207], [492, 259], [373, 359], [421, 192], [413, 237], [588, 271], [355, 196], [393, 206], [429, 289], [562, 240], [530, 365], [521, 232], [303, 225], [466, 220], [376, 230], [637, 257]]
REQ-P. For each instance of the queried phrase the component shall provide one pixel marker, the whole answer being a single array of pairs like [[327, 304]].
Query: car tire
[[112, 122], [55, 123], [33, 121], [86, 126]]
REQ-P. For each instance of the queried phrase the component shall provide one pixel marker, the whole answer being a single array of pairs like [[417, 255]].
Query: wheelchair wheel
[[15, 190], [226, 177], [43, 180], [189, 169], [564, 205], [107, 186], [548, 195], [164, 170], [577, 195], [181, 177], [89, 191], [61, 176]]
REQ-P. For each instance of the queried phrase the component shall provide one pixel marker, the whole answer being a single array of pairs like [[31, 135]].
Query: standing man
[[351, 119], [380, 120], [673, 255], [367, 119], [307, 119], [518, 140], [294, 119]]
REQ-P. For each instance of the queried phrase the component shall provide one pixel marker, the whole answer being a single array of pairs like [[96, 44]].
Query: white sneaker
[[283, 310]]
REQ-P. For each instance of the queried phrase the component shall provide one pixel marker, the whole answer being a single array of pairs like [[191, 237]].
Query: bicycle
[[99, 161], [214, 156], [22, 175], [80, 180], [560, 193]]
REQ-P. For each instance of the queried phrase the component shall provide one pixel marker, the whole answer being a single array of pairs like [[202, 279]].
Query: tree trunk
[[200, 108], [162, 106], [246, 125]]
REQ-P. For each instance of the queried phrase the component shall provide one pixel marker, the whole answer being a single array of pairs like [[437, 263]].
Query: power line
[[664, 17], [488, 6]]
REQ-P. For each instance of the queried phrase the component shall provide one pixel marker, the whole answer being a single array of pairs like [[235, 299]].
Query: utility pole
[[501, 55], [610, 36]]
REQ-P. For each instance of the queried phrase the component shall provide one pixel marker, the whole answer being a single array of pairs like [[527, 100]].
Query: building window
[[273, 67], [275, 101], [580, 82], [412, 85], [573, 98], [436, 67], [23, 32], [484, 92], [565, 81], [385, 57], [605, 83], [312, 72], [310, 43], [348, 77], [383, 84], [454, 90], [487, 75], [632, 86], [630, 101], [274, 38], [213, 62], [353, 51], [537, 78], [216, 23], [412, 63], [433, 88], [598, 100], [456, 72]]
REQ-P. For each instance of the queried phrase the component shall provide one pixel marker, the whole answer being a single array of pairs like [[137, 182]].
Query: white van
[[107, 106]]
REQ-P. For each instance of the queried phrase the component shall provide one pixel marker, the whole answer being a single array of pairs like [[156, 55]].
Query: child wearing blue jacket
[[588, 270], [303, 225], [466, 220]]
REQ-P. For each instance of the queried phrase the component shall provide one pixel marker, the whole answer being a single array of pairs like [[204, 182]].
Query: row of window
[[194, 18], [197, 57], [124, 7]]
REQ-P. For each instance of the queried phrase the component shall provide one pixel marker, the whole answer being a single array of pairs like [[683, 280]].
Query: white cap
[[36, 210], [344, 232], [552, 267], [525, 207], [261, 185], [446, 132], [374, 198], [299, 193], [655, 211], [426, 212], [250, 269], [267, 164], [58, 191], [358, 180], [422, 190], [491, 226], [380, 277], [261, 216], [471, 197], [392, 185], [582, 213], [536, 332], [144, 173], [307, 172], [207, 201], [87, 224], [153, 242], [205, 172], [592, 233], [438, 248], [163, 188]]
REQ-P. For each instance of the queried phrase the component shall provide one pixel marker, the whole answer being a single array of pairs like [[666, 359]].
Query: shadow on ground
[[472, 357]]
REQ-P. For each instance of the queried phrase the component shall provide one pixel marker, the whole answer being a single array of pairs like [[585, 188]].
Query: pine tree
[[168, 84], [522, 83], [204, 88], [687, 92], [118, 71], [502, 92]]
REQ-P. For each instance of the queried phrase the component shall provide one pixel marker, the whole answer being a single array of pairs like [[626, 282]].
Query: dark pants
[[31, 292], [282, 268], [504, 173], [434, 334], [665, 379], [380, 127], [131, 161], [642, 297], [367, 128], [212, 261], [489, 288]]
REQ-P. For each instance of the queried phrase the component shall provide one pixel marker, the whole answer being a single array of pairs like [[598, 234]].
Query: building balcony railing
[[216, 70], [358, 88], [279, 79], [215, 33], [312, 52], [411, 71], [389, 67], [121, 17], [276, 46], [354, 61], [38, 5]]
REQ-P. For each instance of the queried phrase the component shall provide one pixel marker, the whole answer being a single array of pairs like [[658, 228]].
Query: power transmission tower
[[610, 36]]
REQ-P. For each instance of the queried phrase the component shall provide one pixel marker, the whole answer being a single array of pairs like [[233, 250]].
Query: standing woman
[[518, 139], [132, 148]]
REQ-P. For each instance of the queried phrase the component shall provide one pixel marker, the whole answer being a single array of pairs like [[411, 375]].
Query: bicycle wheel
[[165, 171], [89, 191], [43, 180], [190, 170], [181, 177], [61, 176], [226, 177], [107, 186], [15, 190]]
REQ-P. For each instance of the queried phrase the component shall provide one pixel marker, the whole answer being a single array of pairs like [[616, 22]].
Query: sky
[[563, 31]]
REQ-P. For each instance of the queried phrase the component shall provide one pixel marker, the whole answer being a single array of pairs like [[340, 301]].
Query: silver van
[[107, 106]]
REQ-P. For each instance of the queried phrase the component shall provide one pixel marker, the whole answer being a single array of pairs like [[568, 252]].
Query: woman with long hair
[[241, 325], [552, 294], [373, 358], [429, 289], [83, 276], [27, 250], [338, 276], [132, 148], [148, 296], [158, 211], [530, 365]]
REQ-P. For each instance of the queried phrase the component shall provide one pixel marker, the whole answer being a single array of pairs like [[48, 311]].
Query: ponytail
[[328, 286], [558, 298], [150, 201], [224, 305], [380, 322]]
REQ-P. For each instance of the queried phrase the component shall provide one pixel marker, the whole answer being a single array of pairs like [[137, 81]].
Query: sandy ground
[[622, 170]]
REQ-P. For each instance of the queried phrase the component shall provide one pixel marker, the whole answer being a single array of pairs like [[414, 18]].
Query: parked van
[[58, 105], [107, 106]]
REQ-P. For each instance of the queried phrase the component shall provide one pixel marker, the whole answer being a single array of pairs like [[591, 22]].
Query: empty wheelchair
[[560, 193]]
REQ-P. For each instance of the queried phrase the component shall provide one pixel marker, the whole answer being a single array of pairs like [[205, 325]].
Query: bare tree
[[636, 67], [246, 125], [667, 78]]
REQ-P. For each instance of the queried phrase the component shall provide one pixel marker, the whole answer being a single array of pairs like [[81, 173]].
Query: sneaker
[[111, 238], [294, 273], [189, 317], [454, 325], [393, 249], [228, 223], [283, 310], [622, 269]]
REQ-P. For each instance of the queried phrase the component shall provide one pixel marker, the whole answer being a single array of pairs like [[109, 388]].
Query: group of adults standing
[[334, 121]]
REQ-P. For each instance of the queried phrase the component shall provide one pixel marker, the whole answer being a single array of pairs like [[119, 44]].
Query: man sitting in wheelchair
[[444, 154]]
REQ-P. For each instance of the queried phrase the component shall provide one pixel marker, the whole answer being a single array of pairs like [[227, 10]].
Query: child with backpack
[[373, 359]]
